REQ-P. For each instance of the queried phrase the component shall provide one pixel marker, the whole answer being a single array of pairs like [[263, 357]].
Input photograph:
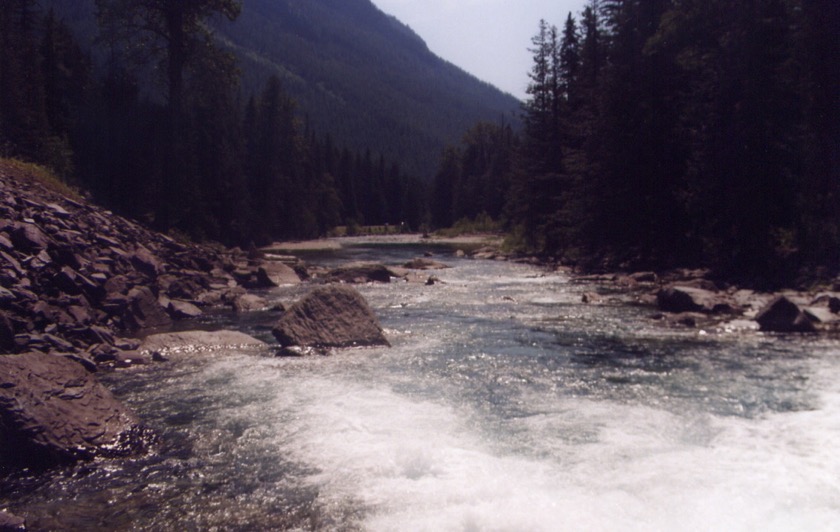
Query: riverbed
[[504, 404]]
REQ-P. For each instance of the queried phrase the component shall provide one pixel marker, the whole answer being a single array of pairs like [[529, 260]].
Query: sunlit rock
[[199, 341], [53, 411], [330, 316]]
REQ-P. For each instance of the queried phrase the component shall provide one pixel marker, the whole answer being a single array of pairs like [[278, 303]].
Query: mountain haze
[[357, 73]]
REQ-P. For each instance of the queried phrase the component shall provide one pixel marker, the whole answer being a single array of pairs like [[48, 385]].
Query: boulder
[[424, 264], [272, 273], [52, 411], [29, 238], [359, 273], [679, 299], [146, 262], [330, 316], [821, 315], [829, 301], [183, 310], [249, 303], [11, 523], [783, 315], [144, 310], [199, 341]]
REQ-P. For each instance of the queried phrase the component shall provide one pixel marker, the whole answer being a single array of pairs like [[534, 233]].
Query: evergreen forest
[[656, 133], [670, 133], [155, 124]]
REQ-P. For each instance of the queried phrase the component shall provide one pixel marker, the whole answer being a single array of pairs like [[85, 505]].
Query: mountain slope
[[356, 72]]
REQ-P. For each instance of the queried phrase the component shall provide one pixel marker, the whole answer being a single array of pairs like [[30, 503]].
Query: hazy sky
[[487, 38]]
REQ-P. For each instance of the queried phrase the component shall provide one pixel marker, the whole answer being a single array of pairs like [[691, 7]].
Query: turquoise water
[[504, 404]]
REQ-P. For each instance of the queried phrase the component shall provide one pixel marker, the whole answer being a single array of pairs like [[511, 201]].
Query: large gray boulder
[[330, 316], [53, 411]]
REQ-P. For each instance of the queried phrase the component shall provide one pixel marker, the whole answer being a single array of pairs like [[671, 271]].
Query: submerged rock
[[199, 340], [297, 351], [53, 411], [330, 316]]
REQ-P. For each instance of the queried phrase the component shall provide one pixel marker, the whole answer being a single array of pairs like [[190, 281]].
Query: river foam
[[383, 460], [504, 405]]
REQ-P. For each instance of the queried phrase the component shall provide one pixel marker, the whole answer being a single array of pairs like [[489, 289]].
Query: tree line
[[662, 133], [185, 153]]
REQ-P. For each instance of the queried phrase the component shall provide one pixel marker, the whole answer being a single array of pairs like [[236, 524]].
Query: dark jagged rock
[[359, 273], [330, 316], [28, 237], [53, 411], [783, 315], [424, 264], [183, 309], [144, 311], [679, 299]]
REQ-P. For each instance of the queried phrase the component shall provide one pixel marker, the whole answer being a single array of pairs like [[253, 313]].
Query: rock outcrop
[[783, 315], [53, 411], [330, 316], [67, 266]]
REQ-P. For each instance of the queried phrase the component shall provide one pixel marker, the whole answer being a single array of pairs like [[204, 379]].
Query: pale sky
[[487, 38]]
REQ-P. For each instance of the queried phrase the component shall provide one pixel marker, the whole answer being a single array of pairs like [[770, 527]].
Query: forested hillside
[[355, 73], [663, 133], [140, 103]]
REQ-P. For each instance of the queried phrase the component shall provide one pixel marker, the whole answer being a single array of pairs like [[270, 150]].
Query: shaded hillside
[[356, 73]]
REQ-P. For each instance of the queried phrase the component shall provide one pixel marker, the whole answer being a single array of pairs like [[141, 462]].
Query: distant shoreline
[[334, 243]]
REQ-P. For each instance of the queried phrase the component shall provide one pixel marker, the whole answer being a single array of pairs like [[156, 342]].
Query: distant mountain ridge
[[357, 73]]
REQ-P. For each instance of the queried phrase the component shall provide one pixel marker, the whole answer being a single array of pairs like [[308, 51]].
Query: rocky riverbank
[[691, 298], [78, 287], [77, 280]]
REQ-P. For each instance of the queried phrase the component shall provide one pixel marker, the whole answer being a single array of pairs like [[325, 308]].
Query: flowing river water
[[505, 404]]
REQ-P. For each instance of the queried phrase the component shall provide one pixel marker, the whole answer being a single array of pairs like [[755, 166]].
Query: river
[[505, 404]]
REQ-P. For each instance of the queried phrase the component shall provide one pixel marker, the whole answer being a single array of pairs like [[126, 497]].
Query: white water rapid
[[504, 405]]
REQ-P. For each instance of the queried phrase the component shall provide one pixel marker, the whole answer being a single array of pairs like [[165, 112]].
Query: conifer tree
[[176, 35], [569, 58]]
